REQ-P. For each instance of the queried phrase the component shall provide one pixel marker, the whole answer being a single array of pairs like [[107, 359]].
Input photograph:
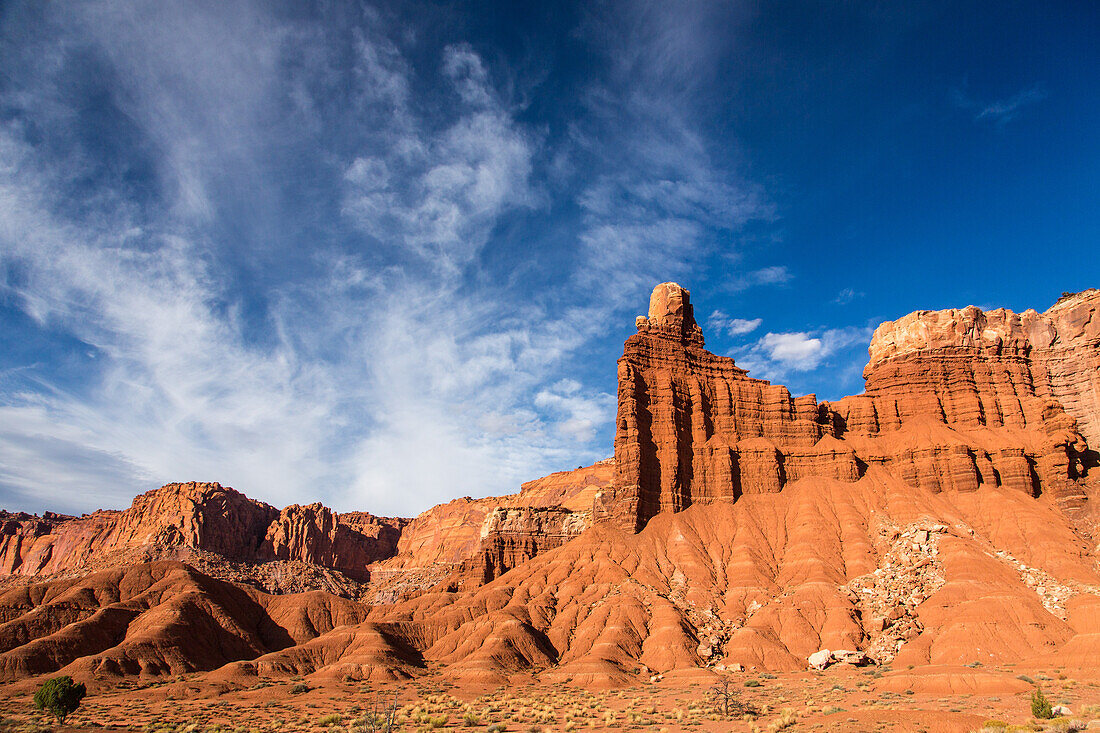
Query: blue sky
[[383, 255]]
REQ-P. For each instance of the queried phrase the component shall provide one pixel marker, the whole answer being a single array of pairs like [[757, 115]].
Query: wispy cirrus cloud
[[999, 111], [175, 380], [295, 373], [774, 275], [439, 195], [1003, 110], [582, 409], [283, 243], [846, 296], [663, 199]]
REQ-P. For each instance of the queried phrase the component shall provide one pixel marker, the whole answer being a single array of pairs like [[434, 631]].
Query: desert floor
[[840, 698]]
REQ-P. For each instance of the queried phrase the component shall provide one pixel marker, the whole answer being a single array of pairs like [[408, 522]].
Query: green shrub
[[299, 688], [334, 719], [470, 719], [60, 697], [1040, 706], [752, 683]]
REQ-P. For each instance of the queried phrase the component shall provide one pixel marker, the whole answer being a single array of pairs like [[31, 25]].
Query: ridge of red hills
[[945, 517]]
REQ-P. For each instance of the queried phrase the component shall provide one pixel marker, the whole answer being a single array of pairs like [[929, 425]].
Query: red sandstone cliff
[[954, 399], [693, 427], [468, 542], [995, 367], [176, 519], [236, 538], [1019, 395], [202, 516], [932, 520]]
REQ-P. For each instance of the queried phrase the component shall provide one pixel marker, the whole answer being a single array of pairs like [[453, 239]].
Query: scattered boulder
[[824, 657], [847, 656]]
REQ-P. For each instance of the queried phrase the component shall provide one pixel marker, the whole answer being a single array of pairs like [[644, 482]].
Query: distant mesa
[[945, 516]]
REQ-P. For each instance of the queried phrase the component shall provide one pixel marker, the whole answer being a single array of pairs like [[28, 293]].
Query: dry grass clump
[[423, 706], [999, 726], [1090, 712], [786, 719]]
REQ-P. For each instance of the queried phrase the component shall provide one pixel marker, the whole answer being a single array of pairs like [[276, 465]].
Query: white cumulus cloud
[[777, 355], [799, 351], [720, 321]]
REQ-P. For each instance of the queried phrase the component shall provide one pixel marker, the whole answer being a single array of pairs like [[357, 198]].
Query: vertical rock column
[[692, 426]]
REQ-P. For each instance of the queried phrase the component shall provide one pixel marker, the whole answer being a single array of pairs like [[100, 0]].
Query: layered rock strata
[[1053, 355], [204, 517], [1020, 393], [917, 522], [468, 542], [989, 368], [692, 426], [954, 399], [513, 535], [230, 536]]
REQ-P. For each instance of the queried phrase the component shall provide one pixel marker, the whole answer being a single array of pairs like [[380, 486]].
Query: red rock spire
[[671, 315]]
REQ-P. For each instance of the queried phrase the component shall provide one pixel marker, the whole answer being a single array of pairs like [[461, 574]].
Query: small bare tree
[[724, 696], [380, 715]]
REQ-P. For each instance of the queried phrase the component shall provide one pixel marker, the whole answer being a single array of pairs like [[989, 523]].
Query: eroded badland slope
[[941, 525]]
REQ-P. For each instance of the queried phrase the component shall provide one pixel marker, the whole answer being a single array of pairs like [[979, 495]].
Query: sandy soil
[[931, 699]]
